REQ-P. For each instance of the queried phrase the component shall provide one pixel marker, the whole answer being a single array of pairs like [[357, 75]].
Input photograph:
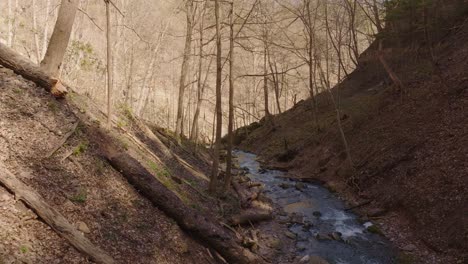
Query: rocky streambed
[[317, 221]]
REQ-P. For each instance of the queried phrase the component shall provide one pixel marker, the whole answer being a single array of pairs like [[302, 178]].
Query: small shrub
[[79, 197], [17, 91], [374, 229], [404, 258], [24, 249], [53, 107], [82, 147]]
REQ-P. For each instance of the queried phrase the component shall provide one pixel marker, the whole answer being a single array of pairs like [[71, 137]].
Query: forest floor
[[409, 147], [77, 182]]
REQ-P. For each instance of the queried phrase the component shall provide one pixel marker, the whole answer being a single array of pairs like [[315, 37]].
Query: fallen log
[[24, 67], [52, 217], [190, 220], [246, 195], [251, 216]]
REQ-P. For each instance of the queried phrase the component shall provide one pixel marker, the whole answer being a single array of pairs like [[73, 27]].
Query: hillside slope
[[409, 147], [79, 184]]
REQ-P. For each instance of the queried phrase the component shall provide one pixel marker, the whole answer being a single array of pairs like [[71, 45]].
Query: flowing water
[[322, 225]]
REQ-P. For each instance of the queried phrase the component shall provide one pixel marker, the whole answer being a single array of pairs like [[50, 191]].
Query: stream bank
[[314, 224]]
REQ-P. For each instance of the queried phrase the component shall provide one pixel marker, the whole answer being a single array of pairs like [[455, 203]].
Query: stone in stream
[[336, 236], [299, 207], [300, 186], [296, 219], [275, 243], [285, 185], [290, 235], [313, 260], [307, 226], [301, 247], [317, 214], [322, 236]]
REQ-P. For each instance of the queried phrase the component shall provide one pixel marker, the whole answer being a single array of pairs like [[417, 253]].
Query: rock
[[299, 207], [317, 214], [312, 260], [322, 236], [304, 259], [336, 236], [83, 227], [301, 247], [282, 213], [317, 260], [262, 171], [275, 243], [300, 186], [409, 247], [296, 219], [248, 243], [290, 235], [307, 226], [284, 185]]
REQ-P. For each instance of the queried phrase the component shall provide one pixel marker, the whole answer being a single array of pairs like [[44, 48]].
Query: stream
[[321, 224]]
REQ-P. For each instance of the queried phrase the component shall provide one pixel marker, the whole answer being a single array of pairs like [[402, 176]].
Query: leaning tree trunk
[[60, 37]]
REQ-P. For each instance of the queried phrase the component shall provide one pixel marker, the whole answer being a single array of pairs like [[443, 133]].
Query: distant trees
[[61, 35]]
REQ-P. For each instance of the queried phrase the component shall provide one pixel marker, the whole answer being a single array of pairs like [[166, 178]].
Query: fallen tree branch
[[52, 217], [64, 139], [251, 216]]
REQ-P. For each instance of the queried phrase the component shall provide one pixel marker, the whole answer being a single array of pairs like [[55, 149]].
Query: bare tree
[[200, 84], [184, 68], [60, 37], [219, 114], [110, 71], [227, 182]]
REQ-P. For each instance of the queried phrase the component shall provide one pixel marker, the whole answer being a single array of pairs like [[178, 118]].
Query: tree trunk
[[219, 114], [52, 217], [227, 181], [46, 30], [311, 27], [200, 85], [265, 80], [35, 32], [387, 67], [60, 37], [10, 24], [184, 70], [110, 67]]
